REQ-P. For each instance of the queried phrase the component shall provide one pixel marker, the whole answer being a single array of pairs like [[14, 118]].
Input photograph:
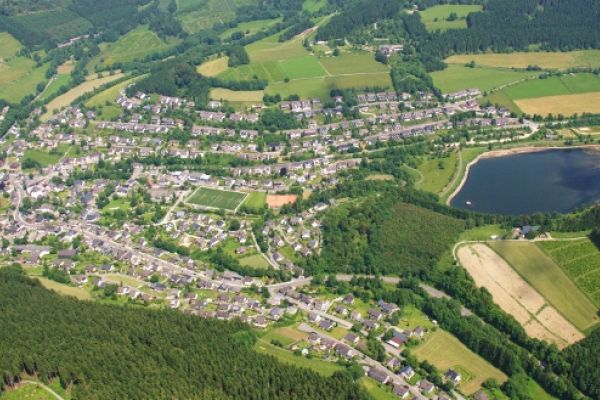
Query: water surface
[[546, 181]]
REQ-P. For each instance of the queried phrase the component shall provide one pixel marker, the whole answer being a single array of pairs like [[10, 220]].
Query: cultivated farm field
[[546, 60], [445, 351], [459, 77], [435, 18], [216, 198], [516, 297], [581, 260], [541, 272], [67, 98], [566, 105]]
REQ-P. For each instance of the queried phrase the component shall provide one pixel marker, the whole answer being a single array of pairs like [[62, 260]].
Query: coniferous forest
[[111, 352]]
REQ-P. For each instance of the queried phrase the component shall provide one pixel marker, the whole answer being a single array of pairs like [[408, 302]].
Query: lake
[[546, 181]]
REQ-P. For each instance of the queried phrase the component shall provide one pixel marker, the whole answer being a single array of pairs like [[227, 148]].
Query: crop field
[[435, 18], [517, 297], [348, 63], [546, 60], [458, 77], [135, 45], [581, 260], [215, 198], [235, 96], [565, 105], [541, 272], [67, 98], [445, 351], [213, 67]]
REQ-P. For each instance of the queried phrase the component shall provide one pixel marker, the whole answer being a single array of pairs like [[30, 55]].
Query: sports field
[[256, 200], [517, 297], [581, 260], [67, 98], [459, 77], [215, 198], [546, 60], [445, 351], [436, 18], [541, 272]]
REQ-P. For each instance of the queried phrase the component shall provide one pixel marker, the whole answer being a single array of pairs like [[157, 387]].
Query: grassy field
[[213, 67], [581, 260], [566, 105], [307, 75], [468, 154], [286, 335], [322, 367], [256, 200], [65, 289], [435, 18], [19, 76], [60, 81], [135, 45], [197, 15], [546, 60], [43, 157], [459, 77], [445, 351], [109, 95], [436, 178], [250, 27], [241, 96], [254, 261], [554, 86], [26, 391], [215, 198], [70, 96], [377, 391], [541, 272]]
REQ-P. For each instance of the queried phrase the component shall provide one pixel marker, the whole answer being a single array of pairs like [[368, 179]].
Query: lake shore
[[510, 152]]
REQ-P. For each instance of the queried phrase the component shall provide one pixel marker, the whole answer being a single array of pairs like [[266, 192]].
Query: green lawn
[[322, 367], [255, 261], [65, 290], [438, 172], [435, 18], [216, 198], [541, 272], [43, 157], [256, 200], [459, 77], [302, 67], [445, 351], [377, 391]]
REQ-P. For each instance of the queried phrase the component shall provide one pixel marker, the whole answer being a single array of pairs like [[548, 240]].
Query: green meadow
[[135, 45], [459, 77], [435, 18]]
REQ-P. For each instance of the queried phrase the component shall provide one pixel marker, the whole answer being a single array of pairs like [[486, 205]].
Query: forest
[[384, 235], [131, 353]]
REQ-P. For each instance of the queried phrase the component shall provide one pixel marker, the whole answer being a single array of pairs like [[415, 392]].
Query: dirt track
[[515, 296], [278, 200]]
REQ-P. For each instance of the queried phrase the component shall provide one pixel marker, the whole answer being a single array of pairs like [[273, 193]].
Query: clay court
[[515, 296], [278, 200]]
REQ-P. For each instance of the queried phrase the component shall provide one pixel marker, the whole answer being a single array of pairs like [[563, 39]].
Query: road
[[396, 379]]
